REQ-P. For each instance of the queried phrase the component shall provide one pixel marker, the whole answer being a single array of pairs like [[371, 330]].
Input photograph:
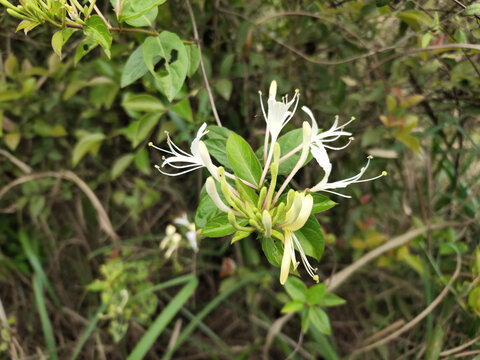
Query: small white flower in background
[[180, 159], [191, 234], [171, 241]]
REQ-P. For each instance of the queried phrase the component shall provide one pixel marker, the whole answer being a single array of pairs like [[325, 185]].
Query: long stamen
[[177, 174], [340, 147], [336, 193], [384, 173], [310, 269], [170, 143]]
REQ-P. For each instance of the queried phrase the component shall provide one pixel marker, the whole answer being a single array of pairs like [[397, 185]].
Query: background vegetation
[[83, 211]]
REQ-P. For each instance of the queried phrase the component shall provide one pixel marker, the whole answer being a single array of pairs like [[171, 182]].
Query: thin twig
[[202, 65], [335, 281], [460, 347], [103, 218], [420, 316], [20, 164]]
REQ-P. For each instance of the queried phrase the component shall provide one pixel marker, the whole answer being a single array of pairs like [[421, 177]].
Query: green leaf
[[83, 49], [96, 29], [142, 162], [246, 192], [170, 79], [242, 159], [316, 293], [295, 288], [218, 149], [306, 319], [239, 235], [163, 319], [193, 59], [143, 102], [88, 143], [319, 319], [219, 226], [44, 129], [435, 344], [37, 205], [473, 9], [183, 109], [311, 238], [8, 95], [134, 9], [223, 88], [145, 124], [293, 306], [57, 43], [146, 19], [414, 18], [217, 143], [273, 250], [12, 140], [331, 300], [121, 164], [321, 203], [134, 68]]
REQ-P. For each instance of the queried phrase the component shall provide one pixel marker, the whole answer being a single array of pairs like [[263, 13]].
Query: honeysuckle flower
[[171, 240], [180, 159], [297, 215], [191, 234], [322, 158], [332, 134], [319, 152], [277, 116]]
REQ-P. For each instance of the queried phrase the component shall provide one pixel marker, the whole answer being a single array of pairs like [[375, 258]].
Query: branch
[[336, 280], [103, 219], [419, 317], [202, 65]]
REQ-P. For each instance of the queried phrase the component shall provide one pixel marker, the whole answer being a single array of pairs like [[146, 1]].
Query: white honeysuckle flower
[[171, 240], [322, 158], [277, 116], [295, 220], [332, 134], [198, 158], [278, 113], [191, 234]]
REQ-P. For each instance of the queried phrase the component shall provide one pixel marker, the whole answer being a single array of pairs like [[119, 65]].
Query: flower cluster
[[258, 206]]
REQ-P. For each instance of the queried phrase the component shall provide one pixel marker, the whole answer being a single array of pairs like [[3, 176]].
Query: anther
[[370, 157], [384, 173], [150, 144], [352, 118]]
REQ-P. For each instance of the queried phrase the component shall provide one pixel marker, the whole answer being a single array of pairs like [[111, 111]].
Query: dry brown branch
[[335, 281], [420, 316], [460, 347], [103, 218], [20, 164], [202, 65]]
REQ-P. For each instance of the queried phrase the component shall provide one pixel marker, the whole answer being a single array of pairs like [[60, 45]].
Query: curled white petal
[[213, 193]]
